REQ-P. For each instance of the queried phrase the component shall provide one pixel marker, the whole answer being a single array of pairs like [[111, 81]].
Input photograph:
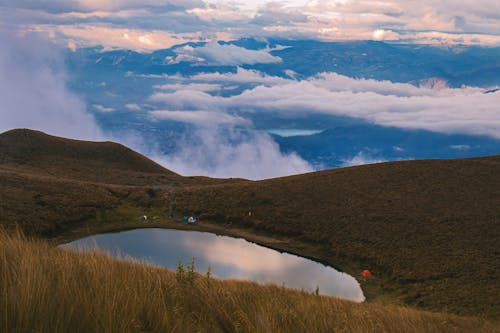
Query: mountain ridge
[[37, 150]]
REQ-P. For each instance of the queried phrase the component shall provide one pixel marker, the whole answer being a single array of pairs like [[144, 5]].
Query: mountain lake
[[227, 257]]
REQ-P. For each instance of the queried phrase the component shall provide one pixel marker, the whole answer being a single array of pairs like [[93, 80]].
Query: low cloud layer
[[250, 155], [33, 90], [432, 106], [240, 77], [199, 118]]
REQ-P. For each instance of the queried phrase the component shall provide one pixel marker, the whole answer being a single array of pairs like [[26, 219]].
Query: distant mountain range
[[458, 65]]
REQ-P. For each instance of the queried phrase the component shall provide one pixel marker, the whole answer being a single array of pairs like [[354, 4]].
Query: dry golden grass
[[46, 289]]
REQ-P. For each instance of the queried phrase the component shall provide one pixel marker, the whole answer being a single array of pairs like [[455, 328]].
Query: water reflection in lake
[[228, 258]]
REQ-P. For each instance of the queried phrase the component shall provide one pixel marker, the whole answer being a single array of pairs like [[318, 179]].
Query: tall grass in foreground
[[46, 289]]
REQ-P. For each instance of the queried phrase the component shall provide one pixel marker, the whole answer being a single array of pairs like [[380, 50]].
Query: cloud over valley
[[33, 90]]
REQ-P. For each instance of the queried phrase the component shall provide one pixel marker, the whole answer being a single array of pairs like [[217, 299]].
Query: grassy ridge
[[104, 161], [45, 289]]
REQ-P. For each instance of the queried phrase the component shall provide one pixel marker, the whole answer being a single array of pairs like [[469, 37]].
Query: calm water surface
[[293, 132], [227, 257]]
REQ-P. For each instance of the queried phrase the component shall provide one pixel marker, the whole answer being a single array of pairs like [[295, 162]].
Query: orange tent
[[367, 274]]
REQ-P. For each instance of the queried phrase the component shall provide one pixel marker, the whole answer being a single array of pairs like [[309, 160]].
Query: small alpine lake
[[227, 257]]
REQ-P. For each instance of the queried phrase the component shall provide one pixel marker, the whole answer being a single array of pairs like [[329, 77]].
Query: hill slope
[[50, 185], [428, 230], [106, 162]]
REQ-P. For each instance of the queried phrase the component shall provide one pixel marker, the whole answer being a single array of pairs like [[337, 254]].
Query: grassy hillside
[[46, 289], [49, 185], [107, 162], [428, 230]]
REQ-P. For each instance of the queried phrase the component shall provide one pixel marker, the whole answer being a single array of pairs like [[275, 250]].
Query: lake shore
[[370, 287]]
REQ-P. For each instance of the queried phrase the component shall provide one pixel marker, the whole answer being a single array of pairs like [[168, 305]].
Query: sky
[[154, 24]]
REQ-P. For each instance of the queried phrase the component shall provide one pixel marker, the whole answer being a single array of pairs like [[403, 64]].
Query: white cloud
[[229, 12], [133, 107], [432, 107], [216, 81], [241, 76], [186, 100], [221, 144], [215, 154], [205, 87], [102, 108], [33, 90], [88, 35], [454, 110], [381, 34], [199, 118], [335, 82], [214, 53], [361, 159]]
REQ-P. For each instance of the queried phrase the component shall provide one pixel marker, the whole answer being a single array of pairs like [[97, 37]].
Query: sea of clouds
[[222, 140]]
